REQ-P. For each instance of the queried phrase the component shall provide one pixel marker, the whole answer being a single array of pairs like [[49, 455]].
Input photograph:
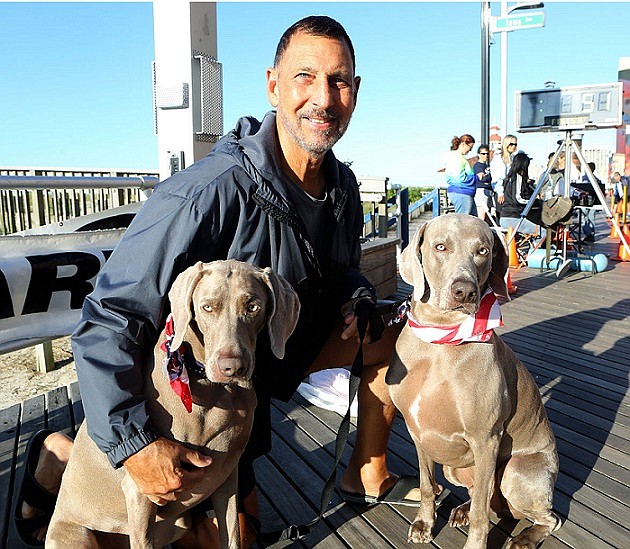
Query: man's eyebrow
[[340, 72]]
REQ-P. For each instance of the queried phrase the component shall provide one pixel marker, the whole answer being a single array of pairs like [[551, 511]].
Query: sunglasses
[[512, 144], [484, 153]]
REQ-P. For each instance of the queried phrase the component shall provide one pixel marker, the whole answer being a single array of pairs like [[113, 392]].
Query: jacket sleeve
[[121, 320]]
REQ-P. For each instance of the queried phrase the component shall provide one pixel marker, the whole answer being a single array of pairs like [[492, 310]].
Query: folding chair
[[526, 243]]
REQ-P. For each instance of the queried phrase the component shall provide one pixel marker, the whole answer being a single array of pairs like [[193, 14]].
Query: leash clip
[[297, 532]]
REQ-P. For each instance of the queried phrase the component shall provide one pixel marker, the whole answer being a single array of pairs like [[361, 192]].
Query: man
[[270, 193]]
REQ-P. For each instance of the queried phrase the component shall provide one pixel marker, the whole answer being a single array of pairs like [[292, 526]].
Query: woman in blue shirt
[[460, 176]]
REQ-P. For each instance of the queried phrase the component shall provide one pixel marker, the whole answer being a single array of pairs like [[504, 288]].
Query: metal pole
[[504, 52], [485, 72], [20, 182]]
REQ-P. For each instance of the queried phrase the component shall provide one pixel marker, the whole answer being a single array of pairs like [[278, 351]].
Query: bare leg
[[204, 533], [53, 458], [367, 470]]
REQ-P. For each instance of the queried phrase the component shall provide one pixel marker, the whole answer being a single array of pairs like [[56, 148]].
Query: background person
[[556, 175], [517, 193], [483, 195], [590, 198], [499, 167], [460, 176]]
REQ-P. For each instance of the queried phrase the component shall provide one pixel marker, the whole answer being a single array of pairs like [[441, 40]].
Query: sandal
[[33, 494], [396, 495]]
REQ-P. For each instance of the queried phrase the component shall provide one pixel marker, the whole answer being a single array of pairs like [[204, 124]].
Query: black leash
[[365, 311]]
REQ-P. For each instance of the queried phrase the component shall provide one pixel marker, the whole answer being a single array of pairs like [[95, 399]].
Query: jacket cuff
[[129, 446]]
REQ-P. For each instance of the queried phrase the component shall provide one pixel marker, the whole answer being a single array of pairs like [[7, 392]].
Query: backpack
[[556, 210]]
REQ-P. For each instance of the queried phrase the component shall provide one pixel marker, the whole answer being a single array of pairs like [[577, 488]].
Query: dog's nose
[[230, 365], [464, 291]]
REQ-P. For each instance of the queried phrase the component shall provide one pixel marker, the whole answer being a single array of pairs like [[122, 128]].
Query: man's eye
[[339, 83]]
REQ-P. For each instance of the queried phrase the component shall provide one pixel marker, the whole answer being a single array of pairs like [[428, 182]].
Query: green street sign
[[518, 22]]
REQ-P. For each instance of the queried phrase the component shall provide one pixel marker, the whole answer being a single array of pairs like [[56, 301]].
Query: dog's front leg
[[485, 452], [225, 507], [421, 528], [141, 513]]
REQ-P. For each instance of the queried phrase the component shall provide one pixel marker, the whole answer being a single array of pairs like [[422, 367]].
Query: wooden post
[[45, 359]]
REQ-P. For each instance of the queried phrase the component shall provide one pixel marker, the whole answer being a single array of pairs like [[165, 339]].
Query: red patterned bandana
[[177, 363], [478, 327]]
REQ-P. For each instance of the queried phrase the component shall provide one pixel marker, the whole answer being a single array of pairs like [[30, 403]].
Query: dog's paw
[[420, 532], [532, 537], [459, 515]]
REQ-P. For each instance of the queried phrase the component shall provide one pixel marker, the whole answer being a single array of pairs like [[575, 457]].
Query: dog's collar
[[475, 328], [177, 363]]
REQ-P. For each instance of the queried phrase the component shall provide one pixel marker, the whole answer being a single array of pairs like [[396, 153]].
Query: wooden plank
[[287, 502], [78, 413], [32, 420], [9, 434], [59, 411]]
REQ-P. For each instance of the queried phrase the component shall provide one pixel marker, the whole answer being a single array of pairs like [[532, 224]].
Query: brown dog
[[218, 310], [473, 407]]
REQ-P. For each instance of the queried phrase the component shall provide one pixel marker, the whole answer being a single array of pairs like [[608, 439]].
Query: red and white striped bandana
[[478, 327]]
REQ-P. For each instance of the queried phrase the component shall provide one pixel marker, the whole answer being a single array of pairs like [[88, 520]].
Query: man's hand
[[158, 473], [351, 330]]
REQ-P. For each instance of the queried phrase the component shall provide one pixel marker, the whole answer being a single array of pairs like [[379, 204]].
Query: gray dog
[[218, 309], [468, 401]]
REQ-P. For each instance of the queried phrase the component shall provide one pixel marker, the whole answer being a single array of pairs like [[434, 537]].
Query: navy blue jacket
[[232, 204]]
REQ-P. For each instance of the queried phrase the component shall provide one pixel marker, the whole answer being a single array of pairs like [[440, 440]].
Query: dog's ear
[[284, 313], [500, 265], [180, 296], [411, 265]]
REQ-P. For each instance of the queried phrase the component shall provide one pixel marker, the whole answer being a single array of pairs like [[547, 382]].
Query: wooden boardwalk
[[572, 333]]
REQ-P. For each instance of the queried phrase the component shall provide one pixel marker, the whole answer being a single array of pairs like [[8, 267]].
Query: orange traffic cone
[[622, 253], [512, 247], [512, 289], [613, 229]]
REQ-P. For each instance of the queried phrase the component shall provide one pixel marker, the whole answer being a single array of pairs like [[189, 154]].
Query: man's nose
[[322, 95]]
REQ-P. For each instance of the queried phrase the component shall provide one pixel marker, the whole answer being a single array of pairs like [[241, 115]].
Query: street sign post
[[518, 21]]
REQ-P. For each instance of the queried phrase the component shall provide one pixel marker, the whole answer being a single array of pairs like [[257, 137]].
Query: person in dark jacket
[[483, 195], [517, 193], [270, 193]]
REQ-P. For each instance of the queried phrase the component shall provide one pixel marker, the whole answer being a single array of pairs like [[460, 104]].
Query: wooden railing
[[31, 198]]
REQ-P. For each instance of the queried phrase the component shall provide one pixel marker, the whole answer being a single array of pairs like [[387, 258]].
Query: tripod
[[569, 146]]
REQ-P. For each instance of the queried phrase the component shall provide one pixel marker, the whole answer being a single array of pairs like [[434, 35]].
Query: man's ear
[[272, 83], [357, 83]]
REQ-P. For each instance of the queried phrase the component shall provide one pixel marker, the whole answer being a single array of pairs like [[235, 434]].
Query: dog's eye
[[440, 247], [253, 307], [208, 308], [484, 251]]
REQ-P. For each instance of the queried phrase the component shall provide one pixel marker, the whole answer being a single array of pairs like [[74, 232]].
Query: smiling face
[[314, 90]]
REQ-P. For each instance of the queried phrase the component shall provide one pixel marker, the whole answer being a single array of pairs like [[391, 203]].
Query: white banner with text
[[44, 280]]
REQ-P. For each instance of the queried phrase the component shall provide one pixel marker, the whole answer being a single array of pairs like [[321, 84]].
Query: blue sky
[[76, 77]]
